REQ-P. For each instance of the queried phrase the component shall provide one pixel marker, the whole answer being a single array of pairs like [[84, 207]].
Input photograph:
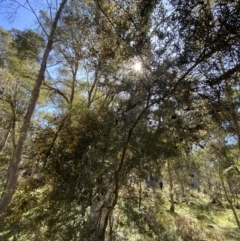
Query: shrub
[[189, 230]]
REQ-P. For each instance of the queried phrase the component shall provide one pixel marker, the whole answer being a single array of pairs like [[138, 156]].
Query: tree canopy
[[86, 137]]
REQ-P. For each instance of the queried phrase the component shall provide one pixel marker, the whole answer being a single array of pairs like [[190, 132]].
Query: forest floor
[[143, 215], [196, 218]]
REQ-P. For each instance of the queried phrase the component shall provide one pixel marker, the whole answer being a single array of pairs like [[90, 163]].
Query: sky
[[23, 19]]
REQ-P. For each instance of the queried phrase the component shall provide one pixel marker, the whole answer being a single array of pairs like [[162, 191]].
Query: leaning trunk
[[13, 168], [105, 199], [101, 210], [229, 199]]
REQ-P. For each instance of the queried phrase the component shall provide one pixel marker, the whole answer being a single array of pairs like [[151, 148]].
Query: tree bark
[[104, 203], [195, 181], [229, 199], [13, 168], [4, 138], [101, 209], [172, 206]]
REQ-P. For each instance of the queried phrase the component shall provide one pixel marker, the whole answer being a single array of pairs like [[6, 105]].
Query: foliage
[[28, 44], [106, 135]]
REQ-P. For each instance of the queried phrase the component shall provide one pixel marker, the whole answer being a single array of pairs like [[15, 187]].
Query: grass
[[194, 220]]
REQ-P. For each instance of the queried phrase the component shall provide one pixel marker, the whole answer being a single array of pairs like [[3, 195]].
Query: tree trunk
[[195, 181], [4, 138], [104, 201], [172, 207], [229, 199], [183, 188], [101, 210], [13, 168]]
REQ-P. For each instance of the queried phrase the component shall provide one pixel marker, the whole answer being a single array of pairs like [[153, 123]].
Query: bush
[[189, 230]]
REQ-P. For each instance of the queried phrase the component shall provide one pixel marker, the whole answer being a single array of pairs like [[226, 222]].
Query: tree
[[16, 85], [16, 159]]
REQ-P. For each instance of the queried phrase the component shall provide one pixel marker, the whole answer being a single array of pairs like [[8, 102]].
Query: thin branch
[[57, 91], [36, 16]]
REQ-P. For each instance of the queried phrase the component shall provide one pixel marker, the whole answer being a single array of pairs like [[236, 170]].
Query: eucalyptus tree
[[5, 127], [16, 158], [217, 78], [124, 115], [17, 72], [226, 162], [193, 77], [102, 150], [210, 54], [125, 118]]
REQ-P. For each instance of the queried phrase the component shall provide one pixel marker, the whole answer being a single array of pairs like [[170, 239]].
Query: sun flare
[[137, 66]]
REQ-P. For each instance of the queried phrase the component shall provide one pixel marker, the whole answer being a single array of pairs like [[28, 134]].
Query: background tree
[[16, 159]]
